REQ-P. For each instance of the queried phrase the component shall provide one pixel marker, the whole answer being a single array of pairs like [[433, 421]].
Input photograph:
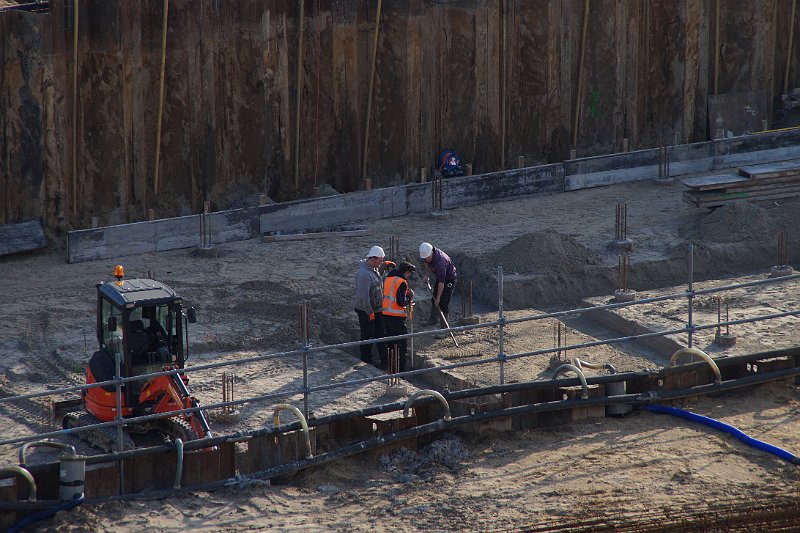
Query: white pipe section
[[179, 467], [427, 392], [44, 443], [277, 420], [24, 473], [579, 372], [702, 355]]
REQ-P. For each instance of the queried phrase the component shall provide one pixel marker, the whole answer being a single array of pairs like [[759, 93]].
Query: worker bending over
[[444, 270]]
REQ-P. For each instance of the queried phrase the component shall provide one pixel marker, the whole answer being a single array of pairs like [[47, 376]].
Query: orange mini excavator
[[141, 329]]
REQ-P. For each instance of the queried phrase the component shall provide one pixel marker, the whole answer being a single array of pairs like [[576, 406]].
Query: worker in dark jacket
[[397, 297], [368, 301], [444, 270]]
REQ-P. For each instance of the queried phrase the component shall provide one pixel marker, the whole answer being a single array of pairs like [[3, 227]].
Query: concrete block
[[111, 241], [23, 237]]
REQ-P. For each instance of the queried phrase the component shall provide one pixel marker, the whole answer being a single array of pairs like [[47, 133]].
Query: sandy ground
[[555, 251]]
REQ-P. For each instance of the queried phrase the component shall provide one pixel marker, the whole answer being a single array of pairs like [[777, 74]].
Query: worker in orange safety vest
[[397, 297]]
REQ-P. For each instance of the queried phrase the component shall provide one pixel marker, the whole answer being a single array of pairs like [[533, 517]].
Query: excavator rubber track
[[175, 428], [104, 438]]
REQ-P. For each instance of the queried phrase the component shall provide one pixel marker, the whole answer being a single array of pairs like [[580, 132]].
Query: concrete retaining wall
[[319, 213]]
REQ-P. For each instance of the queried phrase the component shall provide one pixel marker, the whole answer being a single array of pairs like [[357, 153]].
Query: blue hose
[[41, 515], [721, 426]]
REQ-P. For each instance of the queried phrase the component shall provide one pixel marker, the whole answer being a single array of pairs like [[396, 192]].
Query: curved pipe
[[608, 366], [24, 473], [277, 420], [427, 392], [43, 444], [567, 366], [703, 355], [722, 426], [179, 467]]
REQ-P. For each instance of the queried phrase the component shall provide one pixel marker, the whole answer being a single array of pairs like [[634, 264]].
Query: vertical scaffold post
[[305, 323], [690, 293], [501, 356]]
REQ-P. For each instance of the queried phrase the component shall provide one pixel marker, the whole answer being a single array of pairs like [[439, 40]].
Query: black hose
[[41, 515]]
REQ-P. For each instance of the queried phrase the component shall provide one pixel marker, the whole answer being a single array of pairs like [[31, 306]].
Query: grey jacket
[[369, 289]]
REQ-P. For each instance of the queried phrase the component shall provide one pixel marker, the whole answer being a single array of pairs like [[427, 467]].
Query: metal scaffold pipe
[[369, 92], [298, 93], [579, 94], [161, 93], [75, 14]]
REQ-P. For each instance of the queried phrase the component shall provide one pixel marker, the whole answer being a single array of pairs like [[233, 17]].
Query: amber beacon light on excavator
[[142, 327]]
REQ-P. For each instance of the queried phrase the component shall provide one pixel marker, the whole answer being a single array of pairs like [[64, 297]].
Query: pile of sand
[[736, 222], [543, 252]]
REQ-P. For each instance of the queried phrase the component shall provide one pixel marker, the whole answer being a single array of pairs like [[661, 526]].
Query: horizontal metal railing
[[501, 358]]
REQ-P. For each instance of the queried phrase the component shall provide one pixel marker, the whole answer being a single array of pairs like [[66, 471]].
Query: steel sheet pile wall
[[495, 80]]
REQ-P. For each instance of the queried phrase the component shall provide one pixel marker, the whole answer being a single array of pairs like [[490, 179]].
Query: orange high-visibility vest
[[390, 305]]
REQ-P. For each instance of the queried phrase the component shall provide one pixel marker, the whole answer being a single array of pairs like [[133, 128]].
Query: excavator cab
[[141, 329], [142, 322]]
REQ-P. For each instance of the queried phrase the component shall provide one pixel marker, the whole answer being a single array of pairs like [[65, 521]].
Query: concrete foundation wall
[[321, 213]]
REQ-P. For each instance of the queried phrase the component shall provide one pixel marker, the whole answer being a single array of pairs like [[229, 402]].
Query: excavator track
[[176, 428], [103, 438]]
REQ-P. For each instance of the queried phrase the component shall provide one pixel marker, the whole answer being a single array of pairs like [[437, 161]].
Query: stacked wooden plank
[[771, 181]]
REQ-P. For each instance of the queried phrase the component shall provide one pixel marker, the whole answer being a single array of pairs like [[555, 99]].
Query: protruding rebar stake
[[559, 358], [437, 183], [205, 231], [782, 268], [228, 412], [621, 242], [623, 293], [663, 166], [725, 340], [467, 318], [394, 249], [394, 384]]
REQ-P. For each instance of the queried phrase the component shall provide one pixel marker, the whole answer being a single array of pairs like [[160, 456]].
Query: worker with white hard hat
[[368, 301], [444, 270]]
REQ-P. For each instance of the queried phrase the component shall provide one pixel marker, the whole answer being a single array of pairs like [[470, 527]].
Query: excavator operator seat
[[138, 342]]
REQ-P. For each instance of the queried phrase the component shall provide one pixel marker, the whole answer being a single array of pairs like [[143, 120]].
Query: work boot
[[433, 319]]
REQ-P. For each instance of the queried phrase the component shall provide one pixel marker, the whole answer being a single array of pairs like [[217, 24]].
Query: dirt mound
[[736, 222], [543, 251]]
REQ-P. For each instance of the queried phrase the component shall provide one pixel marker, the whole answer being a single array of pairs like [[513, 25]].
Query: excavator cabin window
[[111, 327]]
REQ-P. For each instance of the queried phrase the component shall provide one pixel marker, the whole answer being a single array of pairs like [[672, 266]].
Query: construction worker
[[386, 267], [397, 297], [444, 270], [368, 301]]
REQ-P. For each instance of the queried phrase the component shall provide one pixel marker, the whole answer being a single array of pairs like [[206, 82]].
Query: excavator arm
[[169, 393]]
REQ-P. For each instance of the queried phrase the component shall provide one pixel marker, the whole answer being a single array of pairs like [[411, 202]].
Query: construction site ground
[[640, 472]]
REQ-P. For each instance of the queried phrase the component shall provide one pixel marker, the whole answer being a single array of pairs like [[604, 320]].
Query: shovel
[[441, 314]]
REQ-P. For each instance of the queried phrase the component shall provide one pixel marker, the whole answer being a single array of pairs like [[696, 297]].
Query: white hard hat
[[376, 251], [425, 250]]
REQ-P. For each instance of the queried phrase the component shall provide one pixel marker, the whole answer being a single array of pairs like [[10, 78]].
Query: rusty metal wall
[[494, 79]]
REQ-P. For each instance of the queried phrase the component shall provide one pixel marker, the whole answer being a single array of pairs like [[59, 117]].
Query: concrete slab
[[22, 237]]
